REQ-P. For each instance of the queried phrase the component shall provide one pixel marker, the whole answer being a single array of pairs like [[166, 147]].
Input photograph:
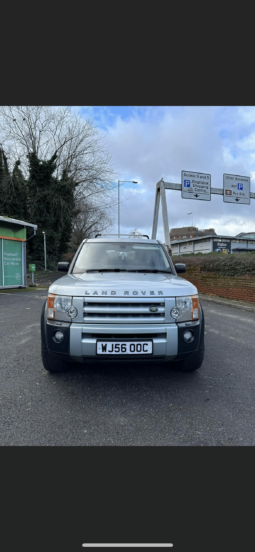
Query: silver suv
[[121, 299]]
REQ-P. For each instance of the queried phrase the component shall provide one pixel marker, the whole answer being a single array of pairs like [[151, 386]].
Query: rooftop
[[217, 237], [19, 222]]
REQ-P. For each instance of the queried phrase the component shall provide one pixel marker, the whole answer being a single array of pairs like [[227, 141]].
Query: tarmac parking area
[[126, 404]]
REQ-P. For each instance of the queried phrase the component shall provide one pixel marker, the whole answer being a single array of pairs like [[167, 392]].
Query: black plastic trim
[[43, 321], [198, 330], [53, 346]]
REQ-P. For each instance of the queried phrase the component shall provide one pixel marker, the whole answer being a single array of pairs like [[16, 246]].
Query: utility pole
[[119, 181]]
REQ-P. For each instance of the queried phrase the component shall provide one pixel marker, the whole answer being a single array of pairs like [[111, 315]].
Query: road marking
[[106, 545], [24, 341], [27, 328], [238, 340], [31, 325], [233, 316]]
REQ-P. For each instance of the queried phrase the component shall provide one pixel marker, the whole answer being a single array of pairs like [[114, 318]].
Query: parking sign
[[196, 185], [236, 189]]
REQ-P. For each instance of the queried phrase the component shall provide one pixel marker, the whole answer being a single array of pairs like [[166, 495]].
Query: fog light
[[188, 336], [58, 336], [175, 312]]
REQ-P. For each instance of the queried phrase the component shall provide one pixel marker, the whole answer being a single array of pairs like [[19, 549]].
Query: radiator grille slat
[[123, 311]]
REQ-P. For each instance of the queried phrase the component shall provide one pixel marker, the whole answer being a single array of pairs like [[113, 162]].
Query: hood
[[122, 285]]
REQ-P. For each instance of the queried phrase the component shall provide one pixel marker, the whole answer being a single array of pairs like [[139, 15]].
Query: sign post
[[31, 268], [236, 189]]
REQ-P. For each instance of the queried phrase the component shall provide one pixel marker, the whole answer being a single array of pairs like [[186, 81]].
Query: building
[[13, 237], [208, 244], [249, 235], [189, 232]]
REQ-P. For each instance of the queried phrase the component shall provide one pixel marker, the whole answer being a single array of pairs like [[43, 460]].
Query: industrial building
[[190, 232], [206, 244]]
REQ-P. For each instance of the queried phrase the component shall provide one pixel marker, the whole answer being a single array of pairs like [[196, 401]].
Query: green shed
[[13, 238]]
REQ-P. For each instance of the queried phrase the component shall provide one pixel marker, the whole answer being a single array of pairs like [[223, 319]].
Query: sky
[[150, 143]]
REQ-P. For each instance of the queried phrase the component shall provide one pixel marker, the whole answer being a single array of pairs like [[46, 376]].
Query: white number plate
[[124, 347]]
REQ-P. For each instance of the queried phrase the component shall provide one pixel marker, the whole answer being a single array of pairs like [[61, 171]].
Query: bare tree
[[90, 220], [79, 146]]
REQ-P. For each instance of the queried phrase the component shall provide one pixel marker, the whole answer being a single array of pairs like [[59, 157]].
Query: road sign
[[196, 185], [31, 267], [236, 189]]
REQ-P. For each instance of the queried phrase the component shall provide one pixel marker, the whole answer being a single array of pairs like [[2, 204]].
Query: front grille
[[123, 310], [116, 336]]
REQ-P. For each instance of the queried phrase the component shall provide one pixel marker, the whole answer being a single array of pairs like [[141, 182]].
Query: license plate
[[124, 347]]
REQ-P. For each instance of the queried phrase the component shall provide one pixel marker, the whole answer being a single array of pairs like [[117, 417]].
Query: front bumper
[[79, 342], [83, 338]]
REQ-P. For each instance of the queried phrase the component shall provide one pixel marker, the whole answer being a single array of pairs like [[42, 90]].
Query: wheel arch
[[43, 323], [202, 324]]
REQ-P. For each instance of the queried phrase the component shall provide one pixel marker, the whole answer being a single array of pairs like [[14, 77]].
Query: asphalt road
[[126, 404]]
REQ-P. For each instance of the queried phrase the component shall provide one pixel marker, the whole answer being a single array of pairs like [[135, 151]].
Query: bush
[[237, 264]]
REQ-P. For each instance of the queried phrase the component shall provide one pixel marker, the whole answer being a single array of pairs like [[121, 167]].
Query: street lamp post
[[44, 240], [119, 181]]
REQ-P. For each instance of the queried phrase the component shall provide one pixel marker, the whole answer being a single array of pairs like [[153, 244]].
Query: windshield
[[132, 257]]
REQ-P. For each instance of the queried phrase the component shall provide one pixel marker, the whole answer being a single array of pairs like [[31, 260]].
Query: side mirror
[[63, 267], [180, 267]]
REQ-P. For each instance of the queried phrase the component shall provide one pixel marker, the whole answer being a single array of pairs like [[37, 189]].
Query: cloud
[[151, 143]]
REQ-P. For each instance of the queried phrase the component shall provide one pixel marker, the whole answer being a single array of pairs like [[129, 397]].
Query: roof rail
[[128, 235]]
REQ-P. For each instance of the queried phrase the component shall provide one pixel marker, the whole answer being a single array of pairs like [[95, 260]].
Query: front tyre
[[52, 363], [193, 361]]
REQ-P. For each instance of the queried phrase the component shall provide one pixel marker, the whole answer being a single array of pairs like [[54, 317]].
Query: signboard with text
[[1, 268], [221, 246], [196, 185], [236, 189], [12, 254]]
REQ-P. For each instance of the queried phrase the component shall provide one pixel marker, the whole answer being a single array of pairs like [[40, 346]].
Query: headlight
[[60, 307], [62, 303], [188, 308]]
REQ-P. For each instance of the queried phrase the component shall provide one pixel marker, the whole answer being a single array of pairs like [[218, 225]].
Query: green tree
[[13, 195], [50, 203], [65, 202], [17, 194], [4, 185]]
